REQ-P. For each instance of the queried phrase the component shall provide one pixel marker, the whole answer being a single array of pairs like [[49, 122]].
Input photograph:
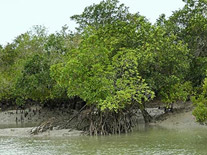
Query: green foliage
[[20, 101], [129, 87], [200, 111], [35, 82], [130, 34], [7, 55], [177, 92], [98, 15], [163, 61], [7, 85], [90, 75], [200, 101], [25, 64], [190, 25], [86, 73]]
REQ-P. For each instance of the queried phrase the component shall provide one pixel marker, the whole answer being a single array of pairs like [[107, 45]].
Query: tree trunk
[[145, 114]]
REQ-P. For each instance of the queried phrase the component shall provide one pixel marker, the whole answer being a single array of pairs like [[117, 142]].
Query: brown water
[[146, 140]]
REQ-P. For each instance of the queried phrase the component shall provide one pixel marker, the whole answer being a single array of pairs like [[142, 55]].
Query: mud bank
[[178, 121], [181, 120], [26, 132], [20, 123]]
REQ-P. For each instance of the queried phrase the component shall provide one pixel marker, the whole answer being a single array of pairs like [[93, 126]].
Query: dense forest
[[113, 63]]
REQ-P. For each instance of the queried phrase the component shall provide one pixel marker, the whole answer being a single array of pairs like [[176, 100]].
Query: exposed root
[[105, 123], [96, 122], [47, 125]]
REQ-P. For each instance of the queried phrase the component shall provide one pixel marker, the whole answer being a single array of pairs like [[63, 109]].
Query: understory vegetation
[[115, 63]]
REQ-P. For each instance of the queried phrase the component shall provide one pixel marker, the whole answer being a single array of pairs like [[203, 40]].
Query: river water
[[145, 140]]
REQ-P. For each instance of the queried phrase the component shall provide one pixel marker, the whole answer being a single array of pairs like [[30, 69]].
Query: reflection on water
[[143, 141]]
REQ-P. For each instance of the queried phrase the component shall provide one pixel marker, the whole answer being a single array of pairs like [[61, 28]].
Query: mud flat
[[20, 123], [25, 132], [47, 122], [181, 120]]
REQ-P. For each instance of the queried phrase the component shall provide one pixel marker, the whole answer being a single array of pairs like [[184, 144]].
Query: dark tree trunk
[[145, 114]]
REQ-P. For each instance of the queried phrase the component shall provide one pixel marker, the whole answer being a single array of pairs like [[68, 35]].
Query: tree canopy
[[116, 60]]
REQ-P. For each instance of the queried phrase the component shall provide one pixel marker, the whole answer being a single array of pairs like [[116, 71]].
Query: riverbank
[[37, 121], [178, 121], [26, 132], [181, 120], [22, 122]]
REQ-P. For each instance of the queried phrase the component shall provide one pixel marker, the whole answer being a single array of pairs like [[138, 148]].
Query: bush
[[200, 101], [176, 92]]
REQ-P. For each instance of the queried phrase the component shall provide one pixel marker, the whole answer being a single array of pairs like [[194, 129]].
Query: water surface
[[149, 140]]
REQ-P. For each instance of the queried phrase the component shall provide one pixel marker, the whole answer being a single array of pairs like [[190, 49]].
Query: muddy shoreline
[[19, 123], [25, 132], [179, 120]]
